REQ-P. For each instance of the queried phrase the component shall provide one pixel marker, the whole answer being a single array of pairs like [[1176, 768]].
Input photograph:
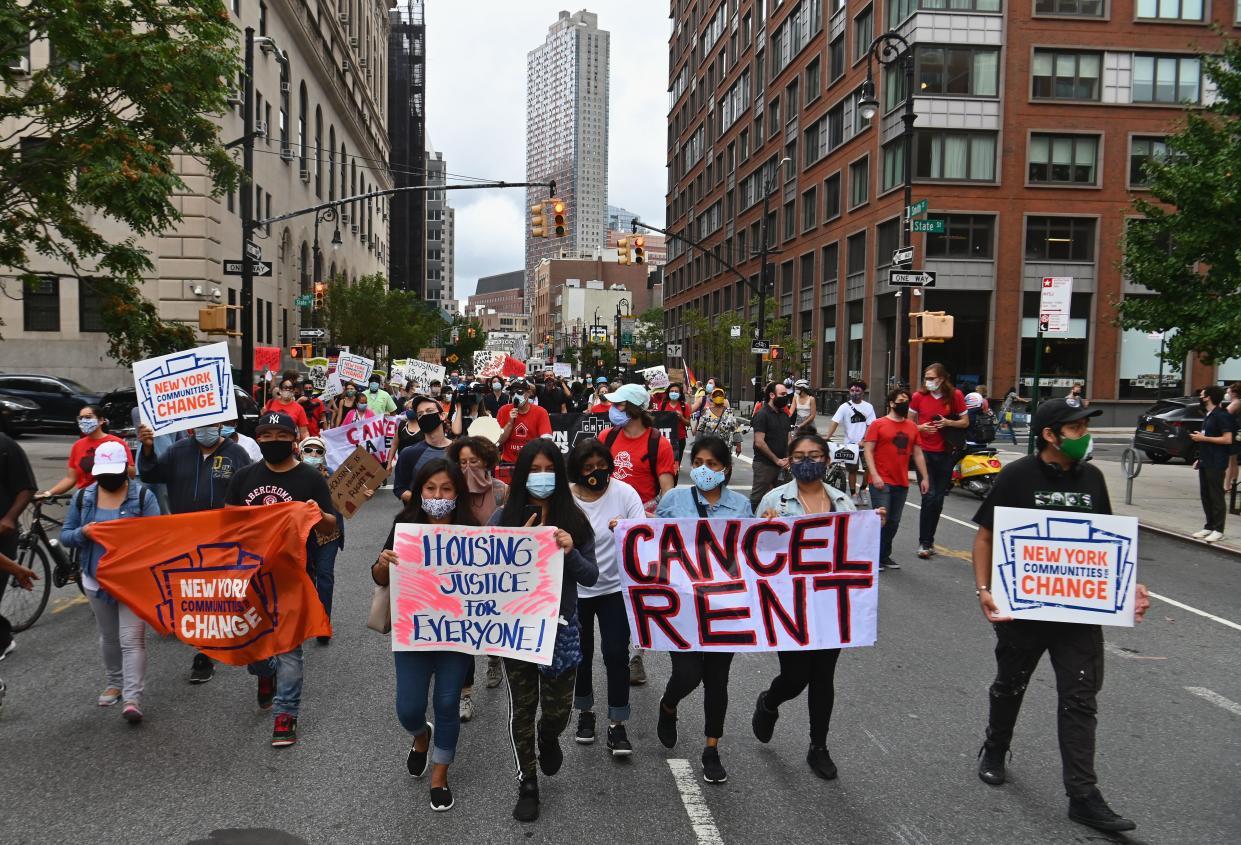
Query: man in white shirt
[[855, 416]]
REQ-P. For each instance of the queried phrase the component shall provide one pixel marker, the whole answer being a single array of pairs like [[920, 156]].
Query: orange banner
[[232, 583]]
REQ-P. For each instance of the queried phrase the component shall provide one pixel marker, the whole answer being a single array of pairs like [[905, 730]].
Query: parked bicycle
[[41, 551]]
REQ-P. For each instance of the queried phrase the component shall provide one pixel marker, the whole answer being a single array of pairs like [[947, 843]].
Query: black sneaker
[[527, 809], [416, 761], [891, 564], [551, 758], [821, 762], [1091, 810], [991, 764], [618, 741], [666, 729], [764, 720], [585, 728], [441, 798], [637, 671], [267, 691], [202, 669], [325, 641], [712, 768]]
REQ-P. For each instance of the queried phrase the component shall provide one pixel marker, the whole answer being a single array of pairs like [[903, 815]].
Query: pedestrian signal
[[777, 353]]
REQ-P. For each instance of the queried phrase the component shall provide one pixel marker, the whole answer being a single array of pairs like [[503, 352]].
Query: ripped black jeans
[[1077, 658]]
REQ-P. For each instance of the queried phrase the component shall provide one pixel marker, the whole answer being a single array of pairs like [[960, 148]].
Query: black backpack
[[982, 426], [652, 451]]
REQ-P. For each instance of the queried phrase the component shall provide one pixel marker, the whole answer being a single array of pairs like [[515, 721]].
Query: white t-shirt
[[619, 501], [854, 419]]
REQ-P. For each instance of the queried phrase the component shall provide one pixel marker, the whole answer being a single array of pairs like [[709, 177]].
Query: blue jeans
[[892, 498], [413, 680], [324, 562], [287, 669], [939, 476]]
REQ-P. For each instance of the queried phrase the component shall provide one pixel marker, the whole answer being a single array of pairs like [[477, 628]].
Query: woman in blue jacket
[[122, 635]]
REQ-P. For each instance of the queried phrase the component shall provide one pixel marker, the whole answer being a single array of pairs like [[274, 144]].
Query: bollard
[[1131, 464]]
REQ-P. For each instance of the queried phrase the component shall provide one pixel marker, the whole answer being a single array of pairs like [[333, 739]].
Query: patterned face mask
[[438, 508]]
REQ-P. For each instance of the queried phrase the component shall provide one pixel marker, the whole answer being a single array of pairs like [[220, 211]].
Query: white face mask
[[932, 384]]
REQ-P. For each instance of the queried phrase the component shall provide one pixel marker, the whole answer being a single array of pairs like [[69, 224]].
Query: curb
[[1185, 538]]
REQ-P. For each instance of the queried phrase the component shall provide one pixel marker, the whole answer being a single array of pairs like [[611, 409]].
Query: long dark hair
[[586, 449], [413, 509], [560, 506], [941, 373]]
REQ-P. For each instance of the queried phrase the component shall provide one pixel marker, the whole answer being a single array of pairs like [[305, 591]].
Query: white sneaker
[[467, 708], [1214, 537], [1198, 535]]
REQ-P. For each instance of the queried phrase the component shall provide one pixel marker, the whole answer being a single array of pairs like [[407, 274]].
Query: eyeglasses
[[803, 456]]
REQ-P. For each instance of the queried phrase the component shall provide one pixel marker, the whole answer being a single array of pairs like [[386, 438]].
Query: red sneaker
[[285, 732]]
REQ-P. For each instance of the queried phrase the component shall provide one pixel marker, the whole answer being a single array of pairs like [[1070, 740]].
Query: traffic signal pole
[[247, 218]]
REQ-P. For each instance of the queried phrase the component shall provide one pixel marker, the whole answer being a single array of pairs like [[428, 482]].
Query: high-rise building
[[620, 219], [407, 133], [1032, 125], [567, 135], [438, 285]]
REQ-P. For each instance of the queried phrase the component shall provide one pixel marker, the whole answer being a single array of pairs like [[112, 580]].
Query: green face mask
[[1076, 449]]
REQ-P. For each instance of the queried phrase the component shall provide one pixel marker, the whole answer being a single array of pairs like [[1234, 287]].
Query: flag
[[232, 583], [513, 367], [689, 374]]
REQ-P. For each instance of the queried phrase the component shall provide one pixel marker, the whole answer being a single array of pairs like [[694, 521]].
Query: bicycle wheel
[[20, 607]]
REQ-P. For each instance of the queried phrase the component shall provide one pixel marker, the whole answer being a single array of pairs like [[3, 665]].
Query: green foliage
[[470, 339], [94, 135], [1188, 248], [369, 318]]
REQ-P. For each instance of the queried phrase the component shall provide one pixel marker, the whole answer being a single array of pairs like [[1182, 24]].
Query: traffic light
[[639, 250], [558, 218], [538, 221], [623, 254], [777, 353], [320, 290], [469, 332]]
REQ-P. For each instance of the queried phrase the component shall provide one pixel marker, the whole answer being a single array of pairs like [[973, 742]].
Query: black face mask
[[113, 482], [276, 451], [596, 480], [429, 422], [781, 401], [901, 409]]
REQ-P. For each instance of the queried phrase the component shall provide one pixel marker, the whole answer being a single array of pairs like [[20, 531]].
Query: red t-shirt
[[82, 457], [533, 423], [600, 408], [314, 415], [293, 409], [927, 407], [632, 457], [894, 442]]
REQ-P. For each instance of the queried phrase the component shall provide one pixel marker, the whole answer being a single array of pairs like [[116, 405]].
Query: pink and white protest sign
[[483, 590], [374, 434], [354, 368]]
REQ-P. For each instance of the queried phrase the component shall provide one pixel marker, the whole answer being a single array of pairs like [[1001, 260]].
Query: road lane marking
[[745, 459], [875, 740], [700, 818], [73, 602], [1215, 698]]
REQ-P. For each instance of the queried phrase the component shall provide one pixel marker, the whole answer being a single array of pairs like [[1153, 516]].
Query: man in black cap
[[1056, 478], [281, 477]]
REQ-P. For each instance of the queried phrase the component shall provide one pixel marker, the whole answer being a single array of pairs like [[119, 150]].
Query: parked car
[[118, 406], [59, 399], [17, 415], [1163, 429]]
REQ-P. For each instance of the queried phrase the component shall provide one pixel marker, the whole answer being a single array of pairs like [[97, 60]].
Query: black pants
[[1077, 658], [709, 668], [8, 548], [939, 476], [815, 669], [1211, 489], [614, 643]]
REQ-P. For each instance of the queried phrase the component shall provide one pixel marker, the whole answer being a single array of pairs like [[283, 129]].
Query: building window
[[887, 239], [790, 220], [1166, 79], [836, 58], [1063, 159], [959, 5], [863, 33], [958, 71], [1076, 8], [1143, 149], [898, 10], [809, 209], [1170, 10], [792, 101], [856, 257], [895, 88], [859, 182], [954, 156], [964, 236], [90, 307], [893, 165], [1066, 76], [41, 305], [814, 81], [1060, 238], [831, 197]]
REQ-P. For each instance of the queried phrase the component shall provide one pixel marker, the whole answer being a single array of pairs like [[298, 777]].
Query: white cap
[[111, 457]]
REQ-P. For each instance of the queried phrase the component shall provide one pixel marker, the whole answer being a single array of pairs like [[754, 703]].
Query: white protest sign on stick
[[400, 370], [751, 584], [422, 373], [656, 378], [488, 363], [317, 371], [374, 434], [183, 390], [354, 368], [562, 370], [485, 590], [1062, 566]]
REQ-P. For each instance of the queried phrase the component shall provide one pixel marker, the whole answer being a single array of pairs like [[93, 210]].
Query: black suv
[[59, 399], [1163, 429]]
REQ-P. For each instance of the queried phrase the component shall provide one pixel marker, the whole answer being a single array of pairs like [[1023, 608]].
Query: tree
[[1185, 250], [470, 339], [371, 319], [132, 83]]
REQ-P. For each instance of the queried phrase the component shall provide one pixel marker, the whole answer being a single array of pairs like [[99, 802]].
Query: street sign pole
[[1038, 372]]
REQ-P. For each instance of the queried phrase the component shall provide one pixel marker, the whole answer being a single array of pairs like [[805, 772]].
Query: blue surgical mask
[[312, 460], [227, 431], [617, 417], [541, 485], [673, 396], [705, 478], [374, 387], [87, 425], [207, 437]]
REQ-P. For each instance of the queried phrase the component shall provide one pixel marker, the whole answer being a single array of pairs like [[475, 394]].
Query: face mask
[[782, 401], [286, 394], [207, 436], [596, 480], [361, 408], [540, 485], [374, 387], [495, 385], [276, 451], [901, 409], [673, 396], [1076, 449], [808, 470], [87, 425], [617, 417], [717, 400], [438, 508], [710, 386], [411, 415], [349, 391], [113, 482], [520, 399], [477, 480], [855, 396], [227, 431], [932, 384], [313, 460], [429, 422], [705, 478]]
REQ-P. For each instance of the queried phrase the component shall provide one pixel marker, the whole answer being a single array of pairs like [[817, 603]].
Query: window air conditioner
[[362, 62], [353, 42], [260, 128], [286, 87], [344, 66], [304, 173], [19, 64], [354, 228], [286, 153], [343, 17]]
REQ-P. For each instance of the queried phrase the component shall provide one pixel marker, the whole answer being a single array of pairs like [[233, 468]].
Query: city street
[[907, 725]]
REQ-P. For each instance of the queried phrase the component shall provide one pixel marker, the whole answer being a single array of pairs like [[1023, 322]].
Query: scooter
[[977, 469]]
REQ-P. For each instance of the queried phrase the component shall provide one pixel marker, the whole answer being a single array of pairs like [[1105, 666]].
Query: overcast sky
[[476, 114]]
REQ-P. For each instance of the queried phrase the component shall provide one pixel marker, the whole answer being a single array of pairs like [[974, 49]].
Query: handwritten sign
[[317, 371], [356, 474], [422, 373], [354, 368], [477, 590], [1061, 566], [182, 390], [750, 584], [562, 370], [374, 434], [488, 363], [656, 378]]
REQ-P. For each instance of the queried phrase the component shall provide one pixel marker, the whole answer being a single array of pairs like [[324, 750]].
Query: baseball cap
[[631, 393], [111, 458], [519, 384], [1056, 412], [275, 421], [601, 380]]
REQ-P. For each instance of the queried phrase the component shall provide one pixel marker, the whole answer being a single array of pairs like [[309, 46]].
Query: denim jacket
[[783, 500], [139, 501]]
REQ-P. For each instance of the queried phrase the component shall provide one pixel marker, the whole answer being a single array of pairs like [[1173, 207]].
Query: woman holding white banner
[[440, 500]]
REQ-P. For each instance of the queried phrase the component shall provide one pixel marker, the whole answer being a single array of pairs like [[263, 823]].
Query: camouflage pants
[[528, 688]]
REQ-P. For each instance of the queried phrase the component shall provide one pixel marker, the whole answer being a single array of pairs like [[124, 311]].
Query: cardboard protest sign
[[1063, 566], [488, 363], [230, 582], [656, 378], [317, 372], [354, 368], [374, 434], [356, 474], [751, 584], [676, 376], [477, 590], [182, 390], [422, 373], [562, 370]]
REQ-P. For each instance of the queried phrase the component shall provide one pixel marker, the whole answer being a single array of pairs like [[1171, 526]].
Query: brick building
[[499, 302], [1033, 121], [552, 325]]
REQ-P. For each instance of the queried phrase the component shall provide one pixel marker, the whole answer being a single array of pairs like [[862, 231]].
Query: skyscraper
[[567, 134], [407, 130], [438, 251]]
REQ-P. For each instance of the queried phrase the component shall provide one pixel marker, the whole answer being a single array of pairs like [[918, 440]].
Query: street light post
[[887, 49], [765, 284], [327, 215], [624, 302]]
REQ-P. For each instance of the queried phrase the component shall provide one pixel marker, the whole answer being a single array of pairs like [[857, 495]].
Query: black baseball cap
[[275, 421], [1056, 412]]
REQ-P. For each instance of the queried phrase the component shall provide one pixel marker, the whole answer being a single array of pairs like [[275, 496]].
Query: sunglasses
[[313, 450]]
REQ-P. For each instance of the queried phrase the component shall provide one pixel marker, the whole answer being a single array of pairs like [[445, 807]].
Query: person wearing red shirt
[[285, 402], [937, 406], [629, 441], [94, 430], [889, 444], [522, 421], [313, 407], [674, 400]]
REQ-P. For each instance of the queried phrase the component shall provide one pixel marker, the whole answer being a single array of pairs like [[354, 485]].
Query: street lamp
[[764, 282], [619, 312], [887, 49]]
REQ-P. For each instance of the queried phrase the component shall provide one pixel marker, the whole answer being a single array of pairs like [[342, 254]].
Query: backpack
[[982, 426], [652, 452]]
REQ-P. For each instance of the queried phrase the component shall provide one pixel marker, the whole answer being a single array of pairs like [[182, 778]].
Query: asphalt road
[[907, 726]]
